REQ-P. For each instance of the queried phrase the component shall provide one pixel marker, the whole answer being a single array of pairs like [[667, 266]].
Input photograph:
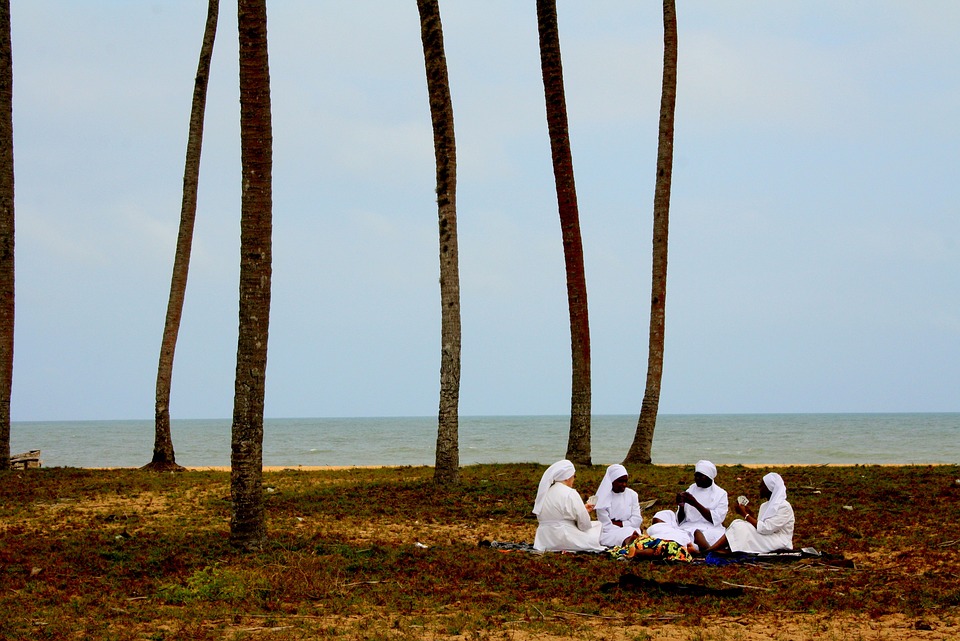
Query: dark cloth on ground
[[636, 584], [779, 556]]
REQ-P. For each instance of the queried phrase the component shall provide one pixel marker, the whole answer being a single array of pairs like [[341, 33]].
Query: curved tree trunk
[[640, 450], [248, 522], [578, 444], [164, 458], [447, 468], [6, 232]]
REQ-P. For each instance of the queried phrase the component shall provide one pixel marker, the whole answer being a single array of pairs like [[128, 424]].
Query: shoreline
[[336, 468]]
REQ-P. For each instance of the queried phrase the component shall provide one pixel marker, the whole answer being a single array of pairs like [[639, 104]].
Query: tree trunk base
[[163, 466]]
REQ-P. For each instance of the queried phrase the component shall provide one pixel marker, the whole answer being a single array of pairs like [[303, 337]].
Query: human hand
[[690, 498]]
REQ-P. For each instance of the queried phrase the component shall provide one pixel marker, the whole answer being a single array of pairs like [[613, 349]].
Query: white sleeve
[[636, 519], [719, 509], [603, 515], [770, 524], [580, 510]]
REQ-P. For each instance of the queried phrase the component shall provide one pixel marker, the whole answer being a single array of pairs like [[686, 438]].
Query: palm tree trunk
[[163, 455], [578, 444], [248, 522], [640, 450], [6, 232], [447, 468]]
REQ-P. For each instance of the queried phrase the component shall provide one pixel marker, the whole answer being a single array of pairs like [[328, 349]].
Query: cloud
[[813, 220]]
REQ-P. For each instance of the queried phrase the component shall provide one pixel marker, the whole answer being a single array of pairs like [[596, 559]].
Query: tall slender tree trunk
[[640, 450], [248, 522], [447, 468], [6, 232], [578, 443], [163, 454]]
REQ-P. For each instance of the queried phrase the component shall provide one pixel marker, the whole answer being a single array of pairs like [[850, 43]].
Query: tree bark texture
[[640, 450], [578, 444], [447, 468], [164, 457], [6, 232], [248, 524]]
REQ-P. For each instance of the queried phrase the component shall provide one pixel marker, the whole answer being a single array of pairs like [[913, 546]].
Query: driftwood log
[[26, 460]]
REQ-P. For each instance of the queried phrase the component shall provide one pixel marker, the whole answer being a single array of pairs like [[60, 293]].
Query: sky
[[815, 215]]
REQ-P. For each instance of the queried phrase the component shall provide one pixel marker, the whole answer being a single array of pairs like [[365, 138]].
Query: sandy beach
[[283, 468]]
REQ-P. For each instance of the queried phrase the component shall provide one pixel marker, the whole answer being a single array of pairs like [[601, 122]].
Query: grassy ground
[[125, 554]]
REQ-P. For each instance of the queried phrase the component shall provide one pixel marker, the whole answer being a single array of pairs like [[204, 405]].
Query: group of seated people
[[694, 528]]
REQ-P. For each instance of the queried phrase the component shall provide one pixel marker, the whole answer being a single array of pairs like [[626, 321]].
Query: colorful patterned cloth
[[646, 547]]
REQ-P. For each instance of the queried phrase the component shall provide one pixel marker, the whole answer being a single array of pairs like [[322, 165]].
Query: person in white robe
[[703, 507], [666, 528], [564, 523], [617, 508], [770, 530]]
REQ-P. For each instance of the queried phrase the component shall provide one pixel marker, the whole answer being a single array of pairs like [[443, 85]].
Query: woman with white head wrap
[[666, 528], [703, 507], [564, 523], [771, 530], [618, 507]]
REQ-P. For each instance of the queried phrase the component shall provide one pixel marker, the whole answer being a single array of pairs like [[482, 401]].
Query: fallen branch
[[282, 616], [347, 585], [584, 614], [748, 587]]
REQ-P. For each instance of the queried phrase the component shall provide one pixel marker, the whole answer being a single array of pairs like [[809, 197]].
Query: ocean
[[772, 439]]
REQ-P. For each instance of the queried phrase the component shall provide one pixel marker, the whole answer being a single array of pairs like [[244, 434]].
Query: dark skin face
[[765, 492], [620, 484], [702, 480]]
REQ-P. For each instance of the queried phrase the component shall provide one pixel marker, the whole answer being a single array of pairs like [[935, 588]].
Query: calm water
[[722, 438]]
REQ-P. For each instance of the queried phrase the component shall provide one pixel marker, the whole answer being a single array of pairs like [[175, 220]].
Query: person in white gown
[[617, 508], [770, 530], [564, 523], [666, 528], [703, 506]]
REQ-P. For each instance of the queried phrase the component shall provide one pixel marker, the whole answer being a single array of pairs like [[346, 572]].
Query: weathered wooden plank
[[26, 460]]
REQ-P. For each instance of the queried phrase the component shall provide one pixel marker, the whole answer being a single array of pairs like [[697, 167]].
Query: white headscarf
[[669, 517], [778, 493], [668, 530], [706, 468], [605, 493], [559, 471]]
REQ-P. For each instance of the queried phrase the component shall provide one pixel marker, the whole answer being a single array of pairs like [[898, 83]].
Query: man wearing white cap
[[564, 523], [618, 507], [704, 505]]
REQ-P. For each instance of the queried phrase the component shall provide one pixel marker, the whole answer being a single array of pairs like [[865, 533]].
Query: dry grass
[[125, 554]]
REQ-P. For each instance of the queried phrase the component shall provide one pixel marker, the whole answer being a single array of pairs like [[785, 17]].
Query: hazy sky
[[814, 260]]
